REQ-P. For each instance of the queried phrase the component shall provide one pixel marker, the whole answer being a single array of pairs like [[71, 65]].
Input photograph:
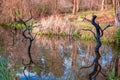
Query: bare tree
[[97, 35], [27, 34], [15, 9]]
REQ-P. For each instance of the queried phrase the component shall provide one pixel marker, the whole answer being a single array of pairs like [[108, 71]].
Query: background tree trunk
[[103, 5], [117, 67], [75, 6], [78, 5], [113, 3], [117, 13], [56, 6]]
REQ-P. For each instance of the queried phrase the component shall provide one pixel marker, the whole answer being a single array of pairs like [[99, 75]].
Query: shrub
[[5, 73], [117, 36], [43, 9], [112, 77]]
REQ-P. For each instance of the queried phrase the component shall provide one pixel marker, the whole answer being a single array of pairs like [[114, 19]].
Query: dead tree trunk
[[97, 36]]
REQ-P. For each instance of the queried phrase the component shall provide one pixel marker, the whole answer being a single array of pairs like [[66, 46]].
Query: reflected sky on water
[[59, 58]]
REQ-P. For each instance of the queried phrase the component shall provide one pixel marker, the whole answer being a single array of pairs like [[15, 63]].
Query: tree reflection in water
[[67, 66], [60, 58], [97, 35]]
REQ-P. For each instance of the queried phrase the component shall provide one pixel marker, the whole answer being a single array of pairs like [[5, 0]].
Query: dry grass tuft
[[56, 24]]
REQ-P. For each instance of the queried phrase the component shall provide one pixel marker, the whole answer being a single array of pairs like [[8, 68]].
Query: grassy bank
[[68, 24], [5, 72], [72, 25]]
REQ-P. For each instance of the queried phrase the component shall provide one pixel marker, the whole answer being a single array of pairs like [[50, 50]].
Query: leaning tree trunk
[[117, 13]]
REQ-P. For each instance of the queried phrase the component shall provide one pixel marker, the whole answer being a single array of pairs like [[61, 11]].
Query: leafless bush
[[12, 9]]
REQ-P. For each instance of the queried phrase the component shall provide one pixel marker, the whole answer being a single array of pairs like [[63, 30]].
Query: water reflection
[[59, 58]]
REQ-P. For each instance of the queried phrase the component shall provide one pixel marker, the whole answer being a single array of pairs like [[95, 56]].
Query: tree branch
[[90, 31], [107, 27], [35, 35], [30, 16], [97, 35]]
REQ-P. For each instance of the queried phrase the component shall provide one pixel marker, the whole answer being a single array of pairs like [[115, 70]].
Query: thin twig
[[90, 31], [107, 27], [30, 16]]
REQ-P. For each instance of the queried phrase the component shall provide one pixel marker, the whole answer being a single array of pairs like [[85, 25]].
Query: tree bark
[[103, 5], [117, 13], [78, 2], [56, 6], [75, 6]]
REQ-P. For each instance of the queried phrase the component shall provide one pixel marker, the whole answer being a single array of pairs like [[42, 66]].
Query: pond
[[58, 58]]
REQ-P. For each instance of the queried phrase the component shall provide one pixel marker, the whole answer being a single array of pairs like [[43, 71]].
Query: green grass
[[117, 36], [14, 25], [83, 35], [112, 75], [4, 73]]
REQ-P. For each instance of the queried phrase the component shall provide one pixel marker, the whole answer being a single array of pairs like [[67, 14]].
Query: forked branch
[[99, 33], [27, 33]]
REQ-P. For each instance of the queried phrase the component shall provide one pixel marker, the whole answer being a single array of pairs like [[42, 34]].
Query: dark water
[[58, 58]]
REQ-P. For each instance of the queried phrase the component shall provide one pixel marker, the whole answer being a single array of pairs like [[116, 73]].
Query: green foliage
[[62, 34], [112, 77], [4, 73], [49, 33], [16, 25], [76, 34], [6, 25], [117, 36]]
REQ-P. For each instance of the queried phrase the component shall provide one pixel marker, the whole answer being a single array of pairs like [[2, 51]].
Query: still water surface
[[58, 58]]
